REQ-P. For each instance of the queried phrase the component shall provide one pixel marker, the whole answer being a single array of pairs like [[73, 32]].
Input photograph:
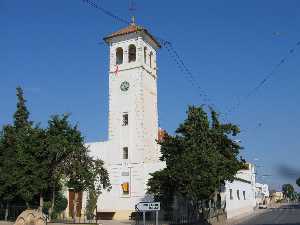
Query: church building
[[131, 152]]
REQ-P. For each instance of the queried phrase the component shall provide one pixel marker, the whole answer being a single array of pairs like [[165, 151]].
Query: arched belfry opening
[[119, 56], [131, 53]]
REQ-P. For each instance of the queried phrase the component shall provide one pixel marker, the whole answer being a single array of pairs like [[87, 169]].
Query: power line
[[169, 47], [105, 11], [266, 78], [175, 56]]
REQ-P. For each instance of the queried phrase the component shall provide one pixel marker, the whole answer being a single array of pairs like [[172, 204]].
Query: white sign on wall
[[148, 206]]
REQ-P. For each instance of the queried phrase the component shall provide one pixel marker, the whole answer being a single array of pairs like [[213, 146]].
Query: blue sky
[[53, 50]]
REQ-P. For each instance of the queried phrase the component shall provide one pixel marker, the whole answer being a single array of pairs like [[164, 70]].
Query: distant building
[[239, 195], [276, 196], [261, 193]]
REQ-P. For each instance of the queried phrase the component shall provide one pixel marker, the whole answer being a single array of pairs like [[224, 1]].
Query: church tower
[[133, 116], [131, 152]]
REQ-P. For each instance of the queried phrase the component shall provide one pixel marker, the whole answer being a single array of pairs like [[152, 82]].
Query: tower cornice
[[132, 28]]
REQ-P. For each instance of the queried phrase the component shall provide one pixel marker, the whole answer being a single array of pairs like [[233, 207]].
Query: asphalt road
[[288, 214]]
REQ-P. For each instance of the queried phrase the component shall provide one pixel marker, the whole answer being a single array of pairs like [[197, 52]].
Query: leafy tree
[[8, 178], [21, 116], [199, 158], [68, 159], [91, 204], [63, 140], [288, 191], [21, 147], [45, 157], [85, 173], [29, 146], [60, 204]]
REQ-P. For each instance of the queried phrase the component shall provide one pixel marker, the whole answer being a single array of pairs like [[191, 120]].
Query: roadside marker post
[[148, 207]]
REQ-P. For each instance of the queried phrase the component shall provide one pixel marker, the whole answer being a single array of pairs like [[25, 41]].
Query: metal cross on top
[[132, 9]]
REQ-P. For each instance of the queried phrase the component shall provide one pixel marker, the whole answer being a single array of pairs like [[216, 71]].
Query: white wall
[[237, 207], [245, 181], [138, 175]]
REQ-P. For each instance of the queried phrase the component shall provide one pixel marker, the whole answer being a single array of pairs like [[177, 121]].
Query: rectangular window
[[125, 188], [238, 194], [125, 153], [244, 194], [230, 191], [125, 119]]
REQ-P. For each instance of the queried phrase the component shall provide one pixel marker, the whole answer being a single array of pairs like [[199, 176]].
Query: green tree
[[60, 204], [85, 173], [8, 173], [21, 151], [63, 141], [21, 116], [288, 191], [68, 159], [199, 158], [45, 157], [91, 204], [29, 145]]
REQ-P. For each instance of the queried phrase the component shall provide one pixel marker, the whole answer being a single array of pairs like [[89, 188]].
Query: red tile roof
[[132, 28]]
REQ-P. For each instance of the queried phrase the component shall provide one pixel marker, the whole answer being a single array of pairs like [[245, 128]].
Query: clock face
[[124, 86]]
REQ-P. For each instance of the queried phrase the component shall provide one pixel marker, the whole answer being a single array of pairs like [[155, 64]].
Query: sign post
[[148, 207]]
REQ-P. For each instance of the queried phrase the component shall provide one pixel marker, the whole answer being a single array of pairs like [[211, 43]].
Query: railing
[[11, 213], [185, 216]]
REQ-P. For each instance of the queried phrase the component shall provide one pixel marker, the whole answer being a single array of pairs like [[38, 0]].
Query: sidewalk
[[5, 223]]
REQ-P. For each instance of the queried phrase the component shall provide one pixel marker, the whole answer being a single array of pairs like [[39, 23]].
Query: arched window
[[132, 53], [119, 56], [151, 57], [145, 55]]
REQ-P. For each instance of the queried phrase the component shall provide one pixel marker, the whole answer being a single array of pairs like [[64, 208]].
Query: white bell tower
[[131, 152], [133, 116]]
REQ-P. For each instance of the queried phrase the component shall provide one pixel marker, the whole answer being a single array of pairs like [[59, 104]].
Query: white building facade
[[240, 194], [131, 152]]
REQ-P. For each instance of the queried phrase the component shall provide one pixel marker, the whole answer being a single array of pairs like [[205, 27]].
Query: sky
[[54, 50]]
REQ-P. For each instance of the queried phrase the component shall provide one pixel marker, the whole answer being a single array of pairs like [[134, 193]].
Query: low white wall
[[238, 206]]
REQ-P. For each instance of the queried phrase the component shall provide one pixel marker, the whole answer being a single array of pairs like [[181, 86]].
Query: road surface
[[288, 214]]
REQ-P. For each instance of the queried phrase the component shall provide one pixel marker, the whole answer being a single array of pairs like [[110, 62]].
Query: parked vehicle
[[262, 205]]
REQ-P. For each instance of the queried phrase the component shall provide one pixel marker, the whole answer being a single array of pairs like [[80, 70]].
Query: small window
[[231, 196], [125, 119], [238, 194], [132, 53], [125, 153], [145, 55], [151, 57], [119, 56], [244, 194], [125, 188]]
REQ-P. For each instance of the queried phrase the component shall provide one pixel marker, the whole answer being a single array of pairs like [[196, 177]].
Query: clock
[[124, 86]]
